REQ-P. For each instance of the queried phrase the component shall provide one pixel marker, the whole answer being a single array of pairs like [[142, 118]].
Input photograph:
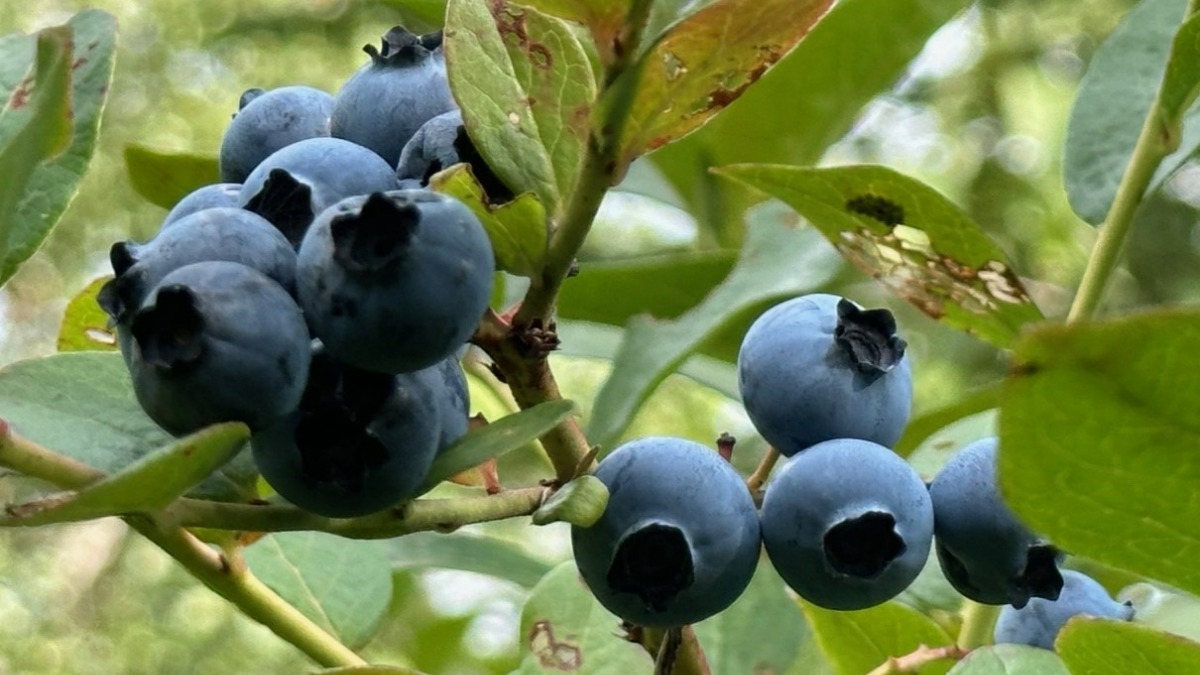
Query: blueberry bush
[[434, 311]]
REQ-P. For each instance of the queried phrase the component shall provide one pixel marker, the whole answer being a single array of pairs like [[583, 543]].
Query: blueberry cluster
[[320, 295], [847, 523]]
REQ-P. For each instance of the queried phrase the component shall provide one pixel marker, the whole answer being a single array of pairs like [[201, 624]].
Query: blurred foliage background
[[981, 115]]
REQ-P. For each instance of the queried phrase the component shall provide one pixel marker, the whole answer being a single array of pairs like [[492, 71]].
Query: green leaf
[[805, 103], [38, 177], [920, 429], [81, 404], [702, 64], [580, 502], [663, 286], [1114, 97], [1181, 82], [526, 89], [597, 341], [344, 586], [759, 633], [564, 628], [164, 177], [910, 237], [517, 229], [1010, 660], [1099, 427], [369, 670], [931, 455], [148, 484], [779, 261], [469, 553], [857, 642], [35, 128], [85, 325], [1164, 609], [1100, 647], [505, 434]]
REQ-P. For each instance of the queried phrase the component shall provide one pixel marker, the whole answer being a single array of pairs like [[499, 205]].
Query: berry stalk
[[1155, 142]]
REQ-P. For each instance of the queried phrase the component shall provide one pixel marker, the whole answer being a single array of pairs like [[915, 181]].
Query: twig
[[922, 655]]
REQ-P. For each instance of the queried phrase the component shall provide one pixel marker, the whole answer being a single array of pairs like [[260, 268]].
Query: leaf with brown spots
[[703, 63], [907, 235], [564, 629], [526, 89], [53, 86], [605, 19]]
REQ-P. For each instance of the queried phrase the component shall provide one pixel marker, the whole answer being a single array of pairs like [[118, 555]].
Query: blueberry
[[441, 143], [1038, 623], [268, 121], [383, 104], [679, 539], [222, 233], [454, 401], [295, 183], [847, 523], [359, 442], [986, 553], [207, 197], [218, 341], [395, 281], [818, 367]]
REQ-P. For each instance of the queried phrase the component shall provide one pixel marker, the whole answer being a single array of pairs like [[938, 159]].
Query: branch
[[763, 470], [421, 515], [1155, 142], [238, 585], [598, 171], [979, 621], [233, 582], [676, 651], [922, 655]]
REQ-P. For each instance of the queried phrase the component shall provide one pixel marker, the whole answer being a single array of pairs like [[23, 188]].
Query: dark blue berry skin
[[396, 281], [359, 442], [1037, 624], [454, 402], [431, 149], [986, 553], [297, 182], [817, 367], [207, 197], [679, 539], [848, 524], [269, 121], [383, 104], [441, 143], [222, 233], [218, 342]]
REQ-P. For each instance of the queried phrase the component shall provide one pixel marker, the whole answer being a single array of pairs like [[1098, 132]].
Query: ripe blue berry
[[441, 143], [679, 539], [223, 233], [1037, 624], [268, 121], [818, 367], [207, 197], [359, 442], [847, 524], [454, 402], [217, 342], [395, 281], [383, 104], [986, 553], [294, 184]]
